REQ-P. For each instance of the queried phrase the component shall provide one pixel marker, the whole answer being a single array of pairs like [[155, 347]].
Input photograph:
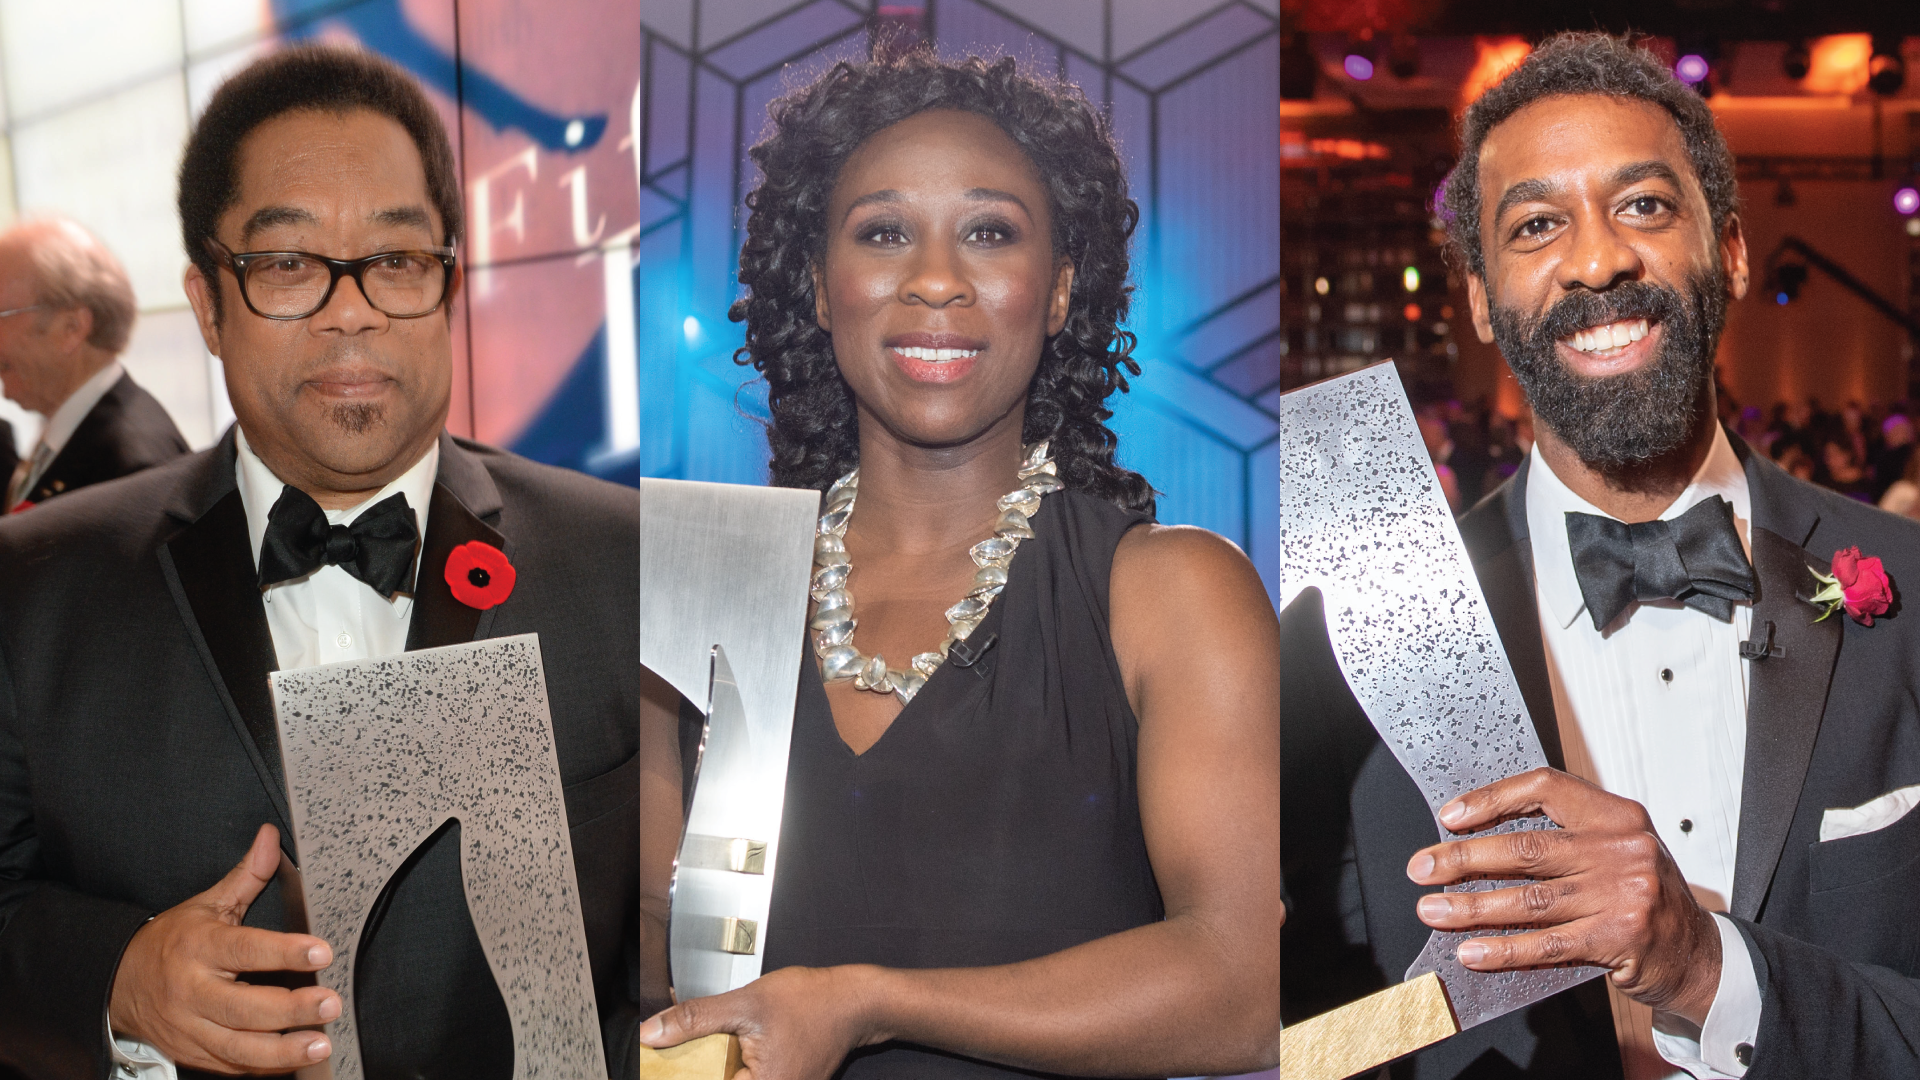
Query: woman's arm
[[660, 823], [1196, 993]]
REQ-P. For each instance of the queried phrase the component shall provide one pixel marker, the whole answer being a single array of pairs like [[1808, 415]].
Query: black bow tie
[[1695, 558], [377, 548]]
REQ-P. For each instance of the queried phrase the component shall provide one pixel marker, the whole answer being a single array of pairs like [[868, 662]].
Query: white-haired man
[[66, 311]]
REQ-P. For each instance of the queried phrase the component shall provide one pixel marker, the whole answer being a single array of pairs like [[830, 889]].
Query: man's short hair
[[1583, 63], [317, 77], [73, 269]]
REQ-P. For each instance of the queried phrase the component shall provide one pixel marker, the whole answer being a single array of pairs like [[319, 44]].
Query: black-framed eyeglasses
[[290, 285]]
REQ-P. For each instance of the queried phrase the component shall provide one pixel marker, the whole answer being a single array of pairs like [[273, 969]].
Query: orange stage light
[[1412, 312], [1493, 58], [1839, 64]]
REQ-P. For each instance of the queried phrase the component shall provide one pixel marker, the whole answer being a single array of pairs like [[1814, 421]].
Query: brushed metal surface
[[723, 606], [1363, 519], [379, 754]]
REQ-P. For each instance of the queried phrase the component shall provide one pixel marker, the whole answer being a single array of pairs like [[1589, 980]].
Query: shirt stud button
[[1686, 824], [1743, 1053], [1666, 674], [345, 640]]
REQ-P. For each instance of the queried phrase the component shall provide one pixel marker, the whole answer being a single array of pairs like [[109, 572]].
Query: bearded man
[[1735, 741]]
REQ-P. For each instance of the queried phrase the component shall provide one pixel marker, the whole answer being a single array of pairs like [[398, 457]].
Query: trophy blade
[[1363, 519], [702, 946], [723, 604]]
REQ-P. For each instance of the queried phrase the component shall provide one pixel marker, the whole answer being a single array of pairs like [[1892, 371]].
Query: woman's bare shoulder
[[1182, 578], [1154, 556]]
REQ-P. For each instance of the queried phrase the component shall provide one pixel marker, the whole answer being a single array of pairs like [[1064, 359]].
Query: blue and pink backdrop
[[1193, 90]]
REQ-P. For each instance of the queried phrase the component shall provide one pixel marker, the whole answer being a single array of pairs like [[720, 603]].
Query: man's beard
[[1619, 423], [357, 417]]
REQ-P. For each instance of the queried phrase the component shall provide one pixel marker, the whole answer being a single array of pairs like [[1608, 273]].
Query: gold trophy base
[[1366, 1034], [714, 1057]]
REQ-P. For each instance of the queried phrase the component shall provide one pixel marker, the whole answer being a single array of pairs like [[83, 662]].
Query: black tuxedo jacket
[[138, 749], [127, 431], [1834, 927]]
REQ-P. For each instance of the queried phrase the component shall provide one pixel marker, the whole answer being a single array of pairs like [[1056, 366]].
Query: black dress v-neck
[[997, 818]]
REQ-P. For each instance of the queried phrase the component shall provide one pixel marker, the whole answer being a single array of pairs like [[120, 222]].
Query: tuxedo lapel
[[464, 499], [1786, 693], [1495, 533], [209, 568]]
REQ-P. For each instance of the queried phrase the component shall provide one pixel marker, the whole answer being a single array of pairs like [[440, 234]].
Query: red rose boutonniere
[[1858, 583], [479, 575]]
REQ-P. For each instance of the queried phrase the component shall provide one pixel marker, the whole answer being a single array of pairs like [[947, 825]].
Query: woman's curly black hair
[[813, 435]]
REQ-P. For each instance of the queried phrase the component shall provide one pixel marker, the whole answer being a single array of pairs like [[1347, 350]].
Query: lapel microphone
[[1757, 649], [959, 654]]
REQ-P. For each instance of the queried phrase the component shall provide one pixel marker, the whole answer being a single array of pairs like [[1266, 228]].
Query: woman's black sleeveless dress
[[997, 819]]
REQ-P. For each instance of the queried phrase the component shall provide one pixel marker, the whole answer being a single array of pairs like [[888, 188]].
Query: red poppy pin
[[23, 504], [1858, 584], [479, 575]]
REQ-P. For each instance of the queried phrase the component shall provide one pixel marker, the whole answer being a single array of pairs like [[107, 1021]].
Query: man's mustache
[[1587, 309]]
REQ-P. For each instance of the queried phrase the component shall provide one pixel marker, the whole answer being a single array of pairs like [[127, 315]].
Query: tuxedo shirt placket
[[327, 617], [1653, 708]]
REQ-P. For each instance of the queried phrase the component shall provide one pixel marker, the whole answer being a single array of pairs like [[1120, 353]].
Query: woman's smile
[[934, 358]]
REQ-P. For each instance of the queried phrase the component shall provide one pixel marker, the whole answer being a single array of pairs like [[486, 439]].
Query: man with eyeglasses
[[66, 312], [138, 759]]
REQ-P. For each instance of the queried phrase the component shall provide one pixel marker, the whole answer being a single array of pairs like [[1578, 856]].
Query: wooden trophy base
[[714, 1057], [1363, 1035]]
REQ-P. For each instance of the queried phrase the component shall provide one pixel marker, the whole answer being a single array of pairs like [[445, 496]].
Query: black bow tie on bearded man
[[377, 548], [1695, 558]]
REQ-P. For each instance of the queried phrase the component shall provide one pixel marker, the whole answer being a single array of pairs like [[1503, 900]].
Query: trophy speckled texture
[[379, 754], [1363, 520]]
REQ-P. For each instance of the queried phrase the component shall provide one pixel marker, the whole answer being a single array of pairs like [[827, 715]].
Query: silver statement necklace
[[833, 620]]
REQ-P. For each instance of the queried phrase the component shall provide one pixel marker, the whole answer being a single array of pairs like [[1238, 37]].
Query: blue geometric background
[[1193, 90]]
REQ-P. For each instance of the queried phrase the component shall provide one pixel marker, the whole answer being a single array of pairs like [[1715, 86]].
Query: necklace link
[[833, 622]]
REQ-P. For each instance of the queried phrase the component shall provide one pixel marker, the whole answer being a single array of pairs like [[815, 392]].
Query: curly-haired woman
[[1032, 817]]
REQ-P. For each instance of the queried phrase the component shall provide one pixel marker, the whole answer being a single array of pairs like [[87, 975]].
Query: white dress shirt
[[326, 617], [1653, 708], [60, 428]]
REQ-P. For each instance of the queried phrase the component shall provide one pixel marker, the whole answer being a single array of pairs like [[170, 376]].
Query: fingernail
[[1421, 866], [1452, 812], [330, 1008], [1433, 907], [320, 956], [650, 1030], [1471, 952], [318, 1049]]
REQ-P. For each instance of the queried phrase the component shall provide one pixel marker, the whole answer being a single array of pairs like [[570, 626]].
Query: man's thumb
[[237, 891]]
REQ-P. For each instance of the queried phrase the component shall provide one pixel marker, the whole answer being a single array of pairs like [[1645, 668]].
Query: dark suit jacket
[[127, 431], [1834, 722], [138, 751], [9, 456]]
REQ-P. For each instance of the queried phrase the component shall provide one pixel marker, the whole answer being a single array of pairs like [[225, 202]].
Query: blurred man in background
[[66, 312]]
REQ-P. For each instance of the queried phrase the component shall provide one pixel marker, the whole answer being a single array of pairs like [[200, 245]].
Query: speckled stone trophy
[[1363, 520], [724, 573], [379, 754]]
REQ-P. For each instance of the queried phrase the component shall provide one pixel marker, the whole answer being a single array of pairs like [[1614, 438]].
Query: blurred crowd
[[1865, 452]]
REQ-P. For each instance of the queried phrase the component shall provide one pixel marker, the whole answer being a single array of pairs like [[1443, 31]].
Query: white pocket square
[[1870, 816]]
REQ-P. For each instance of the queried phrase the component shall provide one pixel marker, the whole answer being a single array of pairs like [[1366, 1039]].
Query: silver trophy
[[379, 754], [723, 606], [1363, 519]]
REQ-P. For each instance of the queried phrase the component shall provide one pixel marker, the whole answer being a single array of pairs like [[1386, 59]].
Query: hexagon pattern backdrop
[[1193, 90], [541, 100]]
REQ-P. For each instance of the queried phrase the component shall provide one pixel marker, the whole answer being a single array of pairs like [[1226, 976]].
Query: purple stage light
[[1906, 200], [1358, 67], [1691, 68]]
